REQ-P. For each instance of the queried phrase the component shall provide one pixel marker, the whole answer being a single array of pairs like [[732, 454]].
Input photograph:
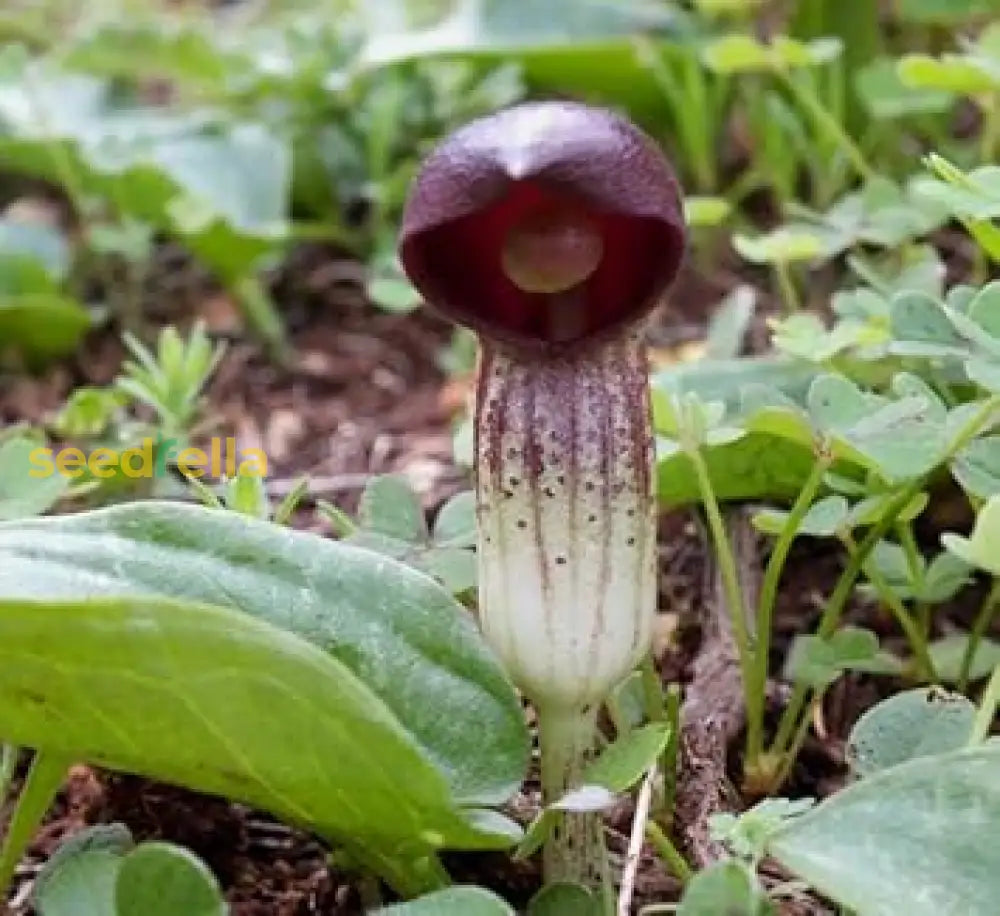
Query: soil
[[365, 394]]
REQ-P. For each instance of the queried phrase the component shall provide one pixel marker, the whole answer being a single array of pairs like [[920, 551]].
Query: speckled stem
[[567, 539]]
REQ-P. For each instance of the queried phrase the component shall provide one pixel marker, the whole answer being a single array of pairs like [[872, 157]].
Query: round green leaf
[[455, 901], [915, 723], [161, 879]]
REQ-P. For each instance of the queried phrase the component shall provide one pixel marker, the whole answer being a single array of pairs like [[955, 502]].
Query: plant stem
[[790, 298], [788, 759], [8, 763], [668, 761], [979, 627], [575, 851], [918, 644], [987, 709], [826, 122], [769, 594], [670, 854], [845, 584], [835, 607], [730, 581]]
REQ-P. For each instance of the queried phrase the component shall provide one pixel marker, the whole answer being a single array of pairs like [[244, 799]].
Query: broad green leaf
[[985, 373], [916, 723], [400, 633], [23, 492], [585, 49], [984, 309], [455, 901], [41, 326], [393, 294], [921, 836], [454, 567], [746, 833], [390, 507], [757, 466], [623, 762], [982, 550], [946, 575], [836, 404], [818, 662], [725, 887], [948, 656], [79, 878], [563, 899], [220, 702], [161, 879]]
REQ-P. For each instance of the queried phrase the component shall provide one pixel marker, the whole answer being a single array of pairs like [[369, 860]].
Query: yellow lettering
[[102, 463], [41, 463], [145, 456], [254, 463], [191, 461], [70, 462]]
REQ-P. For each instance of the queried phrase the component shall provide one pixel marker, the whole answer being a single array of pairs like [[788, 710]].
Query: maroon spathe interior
[[458, 265]]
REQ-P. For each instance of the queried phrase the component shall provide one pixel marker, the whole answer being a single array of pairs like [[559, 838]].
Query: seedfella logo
[[152, 458]]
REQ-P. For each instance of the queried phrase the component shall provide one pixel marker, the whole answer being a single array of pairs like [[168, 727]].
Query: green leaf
[[886, 96], [41, 326], [390, 507], [79, 878], [729, 323], [977, 467], [725, 887], [564, 46], [824, 518], [916, 723], [818, 662], [746, 834], [950, 73], [706, 212], [161, 879], [948, 656], [217, 701], [562, 899], [919, 319], [23, 494], [982, 550], [401, 634], [944, 12], [455, 901], [623, 762], [455, 525], [920, 835], [782, 246]]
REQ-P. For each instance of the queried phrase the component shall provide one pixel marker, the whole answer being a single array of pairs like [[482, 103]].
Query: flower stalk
[[552, 230]]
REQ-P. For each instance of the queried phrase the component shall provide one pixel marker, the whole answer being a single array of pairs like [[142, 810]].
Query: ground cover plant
[[491, 458]]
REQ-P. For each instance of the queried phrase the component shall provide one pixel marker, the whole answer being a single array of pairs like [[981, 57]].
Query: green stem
[[845, 584], [668, 761], [262, 315], [789, 295], [918, 644], [979, 627], [987, 709], [670, 854], [575, 851], [730, 581], [788, 759], [835, 607], [824, 121], [769, 595]]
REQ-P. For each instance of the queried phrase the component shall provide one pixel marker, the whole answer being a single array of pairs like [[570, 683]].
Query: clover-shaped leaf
[[977, 467], [818, 662]]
